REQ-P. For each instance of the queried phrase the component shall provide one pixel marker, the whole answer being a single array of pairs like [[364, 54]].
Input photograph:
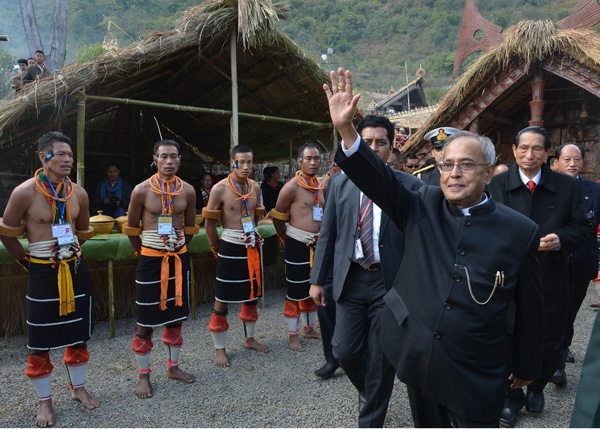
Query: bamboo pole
[[207, 110], [234, 89], [408, 99], [80, 139], [192, 289], [291, 160], [111, 299]]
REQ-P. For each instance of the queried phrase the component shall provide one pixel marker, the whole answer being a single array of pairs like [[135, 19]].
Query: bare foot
[[295, 343], [87, 400], [45, 415], [311, 333], [221, 358], [251, 343], [144, 388], [177, 374]]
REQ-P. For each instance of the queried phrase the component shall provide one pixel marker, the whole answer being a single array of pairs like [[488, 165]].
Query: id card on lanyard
[[247, 224], [63, 232], [165, 225], [317, 213]]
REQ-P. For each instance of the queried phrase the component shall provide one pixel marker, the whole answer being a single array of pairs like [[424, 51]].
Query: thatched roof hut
[[540, 74], [189, 65], [408, 97]]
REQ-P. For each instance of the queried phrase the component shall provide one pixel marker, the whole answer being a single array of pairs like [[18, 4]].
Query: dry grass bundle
[[205, 27], [527, 43]]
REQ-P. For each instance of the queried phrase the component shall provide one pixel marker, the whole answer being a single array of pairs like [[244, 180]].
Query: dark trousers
[[551, 361], [429, 414], [327, 320], [356, 346], [577, 291]]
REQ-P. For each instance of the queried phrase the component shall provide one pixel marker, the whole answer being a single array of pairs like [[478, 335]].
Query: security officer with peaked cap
[[431, 173]]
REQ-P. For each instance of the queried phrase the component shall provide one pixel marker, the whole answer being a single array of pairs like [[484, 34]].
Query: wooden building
[[407, 98], [535, 73]]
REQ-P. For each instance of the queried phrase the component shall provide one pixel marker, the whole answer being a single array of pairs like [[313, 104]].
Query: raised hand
[[342, 104]]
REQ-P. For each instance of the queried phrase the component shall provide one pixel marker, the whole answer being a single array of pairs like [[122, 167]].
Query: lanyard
[[165, 196], [244, 199], [315, 193], [60, 208]]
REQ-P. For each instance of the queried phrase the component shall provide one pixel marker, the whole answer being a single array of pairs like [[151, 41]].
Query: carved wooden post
[[474, 127], [537, 103]]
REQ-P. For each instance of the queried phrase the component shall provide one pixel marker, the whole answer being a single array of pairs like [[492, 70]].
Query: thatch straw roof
[[527, 44], [188, 65]]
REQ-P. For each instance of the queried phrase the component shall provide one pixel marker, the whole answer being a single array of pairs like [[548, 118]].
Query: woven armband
[[214, 249], [211, 214], [191, 230], [86, 234], [279, 216], [132, 230], [11, 231], [259, 211]]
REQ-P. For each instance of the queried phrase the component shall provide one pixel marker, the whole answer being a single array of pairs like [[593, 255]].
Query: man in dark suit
[[38, 70], [583, 264], [364, 248], [553, 201], [444, 328]]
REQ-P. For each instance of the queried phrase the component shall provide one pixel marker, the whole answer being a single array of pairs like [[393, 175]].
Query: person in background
[[583, 263], [113, 193], [270, 187], [554, 202], [395, 160], [30, 61], [38, 70], [206, 183], [411, 163], [17, 81]]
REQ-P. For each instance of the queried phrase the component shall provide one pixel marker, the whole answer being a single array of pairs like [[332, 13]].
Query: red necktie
[[365, 231], [531, 185]]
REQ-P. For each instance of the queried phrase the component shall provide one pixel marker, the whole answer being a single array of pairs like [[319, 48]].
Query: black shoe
[[535, 403], [570, 358], [508, 418], [559, 378], [362, 401], [327, 370]]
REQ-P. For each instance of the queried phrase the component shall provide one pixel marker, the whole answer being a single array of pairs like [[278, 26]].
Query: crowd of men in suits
[[509, 257]]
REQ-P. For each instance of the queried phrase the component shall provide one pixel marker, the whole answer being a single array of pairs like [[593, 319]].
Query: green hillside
[[374, 38]]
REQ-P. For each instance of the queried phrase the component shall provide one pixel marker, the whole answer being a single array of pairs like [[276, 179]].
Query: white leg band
[[308, 319], [249, 329], [172, 356], [143, 363], [43, 387], [219, 339], [77, 375], [292, 324]]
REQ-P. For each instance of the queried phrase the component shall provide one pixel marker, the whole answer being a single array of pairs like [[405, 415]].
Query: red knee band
[[141, 346], [76, 357], [218, 323], [291, 310], [39, 366], [173, 337], [248, 313], [308, 305]]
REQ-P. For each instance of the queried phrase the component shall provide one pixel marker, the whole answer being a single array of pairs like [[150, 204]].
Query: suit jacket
[[556, 206], [335, 247], [33, 72], [433, 332], [584, 260]]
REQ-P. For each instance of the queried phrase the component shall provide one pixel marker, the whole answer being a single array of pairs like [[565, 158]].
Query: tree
[[56, 57], [7, 71]]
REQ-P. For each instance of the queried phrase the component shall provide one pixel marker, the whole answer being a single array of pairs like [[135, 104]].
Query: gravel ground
[[278, 389]]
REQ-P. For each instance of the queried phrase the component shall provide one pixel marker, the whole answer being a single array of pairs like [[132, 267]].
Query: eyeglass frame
[[460, 166], [411, 166]]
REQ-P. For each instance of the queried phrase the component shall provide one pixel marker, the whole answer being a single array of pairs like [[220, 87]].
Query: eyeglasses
[[411, 165], [393, 163], [463, 166]]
